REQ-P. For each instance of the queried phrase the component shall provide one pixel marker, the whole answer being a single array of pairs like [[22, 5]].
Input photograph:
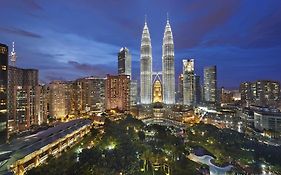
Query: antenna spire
[[145, 16], [167, 16]]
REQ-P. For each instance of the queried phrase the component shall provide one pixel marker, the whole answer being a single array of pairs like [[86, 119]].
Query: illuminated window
[[4, 67]]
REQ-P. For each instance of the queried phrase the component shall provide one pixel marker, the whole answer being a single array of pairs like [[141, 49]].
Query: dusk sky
[[68, 39]]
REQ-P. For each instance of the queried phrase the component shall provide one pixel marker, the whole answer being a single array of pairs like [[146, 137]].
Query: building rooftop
[[21, 147]]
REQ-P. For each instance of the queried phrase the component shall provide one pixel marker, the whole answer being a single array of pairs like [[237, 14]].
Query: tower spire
[[167, 17], [145, 16]]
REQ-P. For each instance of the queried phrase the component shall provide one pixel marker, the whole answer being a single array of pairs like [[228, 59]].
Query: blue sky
[[68, 39]]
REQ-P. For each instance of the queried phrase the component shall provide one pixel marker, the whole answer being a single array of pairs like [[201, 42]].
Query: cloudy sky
[[68, 39]]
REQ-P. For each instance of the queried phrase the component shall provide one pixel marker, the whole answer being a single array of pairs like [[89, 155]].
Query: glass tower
[[168, 66], [146, 67]]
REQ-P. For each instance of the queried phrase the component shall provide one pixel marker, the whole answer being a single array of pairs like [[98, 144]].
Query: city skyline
[[201, 31]]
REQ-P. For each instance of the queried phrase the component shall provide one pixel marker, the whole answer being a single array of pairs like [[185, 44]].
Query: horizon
[[64, 44]]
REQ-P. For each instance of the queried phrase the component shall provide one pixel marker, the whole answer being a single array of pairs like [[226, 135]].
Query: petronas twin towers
[[168, 66]]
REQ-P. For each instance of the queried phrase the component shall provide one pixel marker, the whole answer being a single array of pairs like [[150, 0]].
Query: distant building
[[92, 94], [226, 96], [267, 121], [180, 89], [3, 92], [117, 92], [57, 104], [124, 62], [23, 98], [262, 93], [198, 93], [210, 85], [134, 92], [188, 82]]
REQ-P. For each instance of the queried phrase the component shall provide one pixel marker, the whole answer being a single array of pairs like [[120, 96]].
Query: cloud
[[209, 16], [31, 4], [94, 69], [21, 32]]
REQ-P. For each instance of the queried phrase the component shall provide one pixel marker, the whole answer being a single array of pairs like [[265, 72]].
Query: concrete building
[[267, 121], [188, 82], [210, 85], [23, 98], [134, 92], [261, 92], [3, 93], [117, 92]]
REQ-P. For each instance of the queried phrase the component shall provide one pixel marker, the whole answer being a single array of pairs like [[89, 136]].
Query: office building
[[23, 98], [188, 82], [168, 66], [124, 62], [146, 67], [210, 85]]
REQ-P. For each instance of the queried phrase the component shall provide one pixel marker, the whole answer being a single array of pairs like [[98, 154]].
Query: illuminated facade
[[188, 82], [146, 67], [92, 94], [124, 62], [157, 92], [117, 92], [262, 93], [210, 84], [168, 66], [23, 101], [3, 92], [57, 103], [134, 92]]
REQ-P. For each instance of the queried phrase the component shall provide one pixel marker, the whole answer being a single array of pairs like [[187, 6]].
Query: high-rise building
[[3, 92], [134, 92], [57, 104], [198, 93], [168, 66], [261, 93], [210, 84], [117, 92], [188, 82], [92, 94], [124, 62], [179, 98], [146, 67], [23, 98]]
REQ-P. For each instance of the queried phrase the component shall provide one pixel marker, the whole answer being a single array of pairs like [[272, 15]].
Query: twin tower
[[168, 66]]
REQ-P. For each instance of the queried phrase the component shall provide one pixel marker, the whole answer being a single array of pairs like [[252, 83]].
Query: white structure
[[188, 82], [146, 67], [267, 121], [168, 66]]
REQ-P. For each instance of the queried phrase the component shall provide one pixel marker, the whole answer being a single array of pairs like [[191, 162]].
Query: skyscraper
[[124, 62], [188, 82], [23, 98], [168, 66], [210, 84], [146, 67], [3, 92]]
